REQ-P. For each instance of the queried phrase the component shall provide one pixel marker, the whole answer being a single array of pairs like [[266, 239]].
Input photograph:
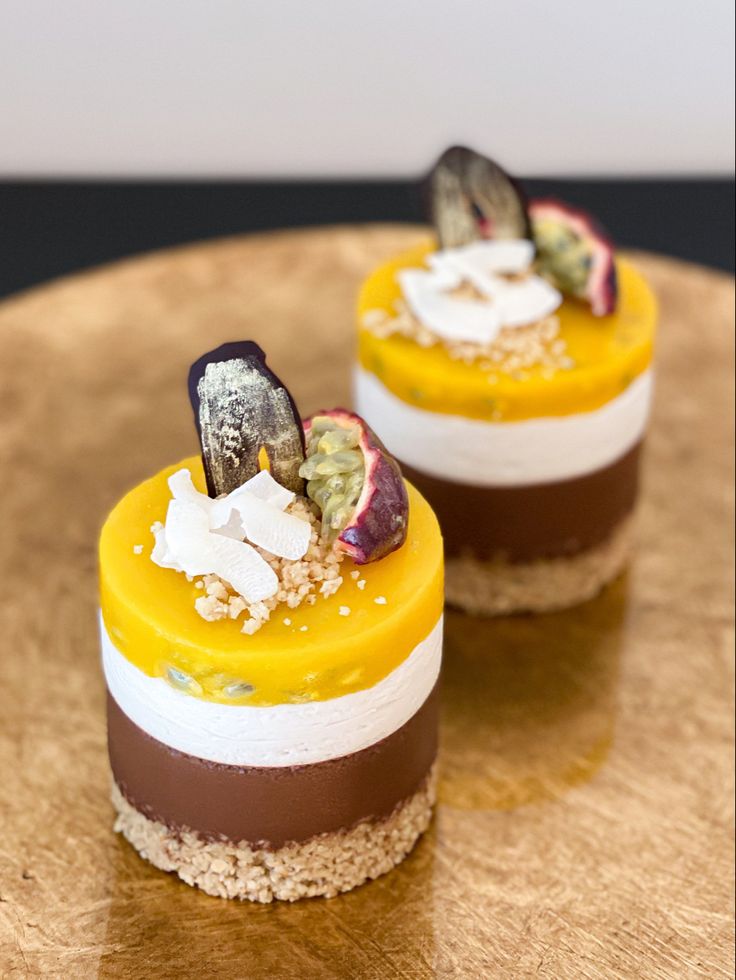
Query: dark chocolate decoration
[[471, 198], [271, 805], [533, 521], [241, 407]]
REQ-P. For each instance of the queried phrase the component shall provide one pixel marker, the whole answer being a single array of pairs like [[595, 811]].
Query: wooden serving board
[[585, 822]]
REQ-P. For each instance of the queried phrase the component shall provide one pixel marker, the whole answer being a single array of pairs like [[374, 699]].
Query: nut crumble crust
[[323, 866], [496, 588]]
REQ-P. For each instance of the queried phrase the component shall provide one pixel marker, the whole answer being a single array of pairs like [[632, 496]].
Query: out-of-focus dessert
[[507, 365]]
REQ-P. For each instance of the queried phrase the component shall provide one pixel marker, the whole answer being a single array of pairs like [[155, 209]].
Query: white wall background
[[341, 88]]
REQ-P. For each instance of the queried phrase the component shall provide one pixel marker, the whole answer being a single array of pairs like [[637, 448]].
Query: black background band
[[50, 228]]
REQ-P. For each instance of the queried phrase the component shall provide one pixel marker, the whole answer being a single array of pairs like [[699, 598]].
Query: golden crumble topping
[[513, 352]]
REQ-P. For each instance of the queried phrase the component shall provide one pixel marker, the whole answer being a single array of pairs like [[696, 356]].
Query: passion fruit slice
[[575, 253], [240, 408], [472, 198], [357, 485]]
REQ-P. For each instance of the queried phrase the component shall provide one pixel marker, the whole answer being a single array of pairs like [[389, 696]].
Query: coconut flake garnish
[[261, 486], [161, 554], [483, 264], [182, 488], [240, 564], [522, 303], [269, 528], [478, 260], [202, 536], [187, 534], [427, 293]]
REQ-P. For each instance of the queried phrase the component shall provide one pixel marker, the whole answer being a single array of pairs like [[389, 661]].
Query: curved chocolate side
[[542, 520], [270, 806]]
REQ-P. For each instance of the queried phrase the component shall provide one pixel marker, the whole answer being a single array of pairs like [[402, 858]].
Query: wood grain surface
[[585, 823]]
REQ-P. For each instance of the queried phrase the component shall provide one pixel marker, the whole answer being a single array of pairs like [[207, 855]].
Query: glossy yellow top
[[150, 616], [608, 353]]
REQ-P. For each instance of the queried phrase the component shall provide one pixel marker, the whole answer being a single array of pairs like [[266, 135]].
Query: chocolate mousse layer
[[270, 806], [532, 521]]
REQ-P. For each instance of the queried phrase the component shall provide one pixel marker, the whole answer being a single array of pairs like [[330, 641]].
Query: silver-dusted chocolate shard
[[240, 408], [470, 198]]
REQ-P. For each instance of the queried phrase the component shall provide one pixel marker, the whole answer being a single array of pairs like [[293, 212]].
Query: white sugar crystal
[[355, 574], [303, 629], [362, 584], [137, 549], [344, 610], [287, 621], [380, 600]]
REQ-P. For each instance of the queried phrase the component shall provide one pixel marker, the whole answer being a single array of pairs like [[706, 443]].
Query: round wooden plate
[[584, 828]]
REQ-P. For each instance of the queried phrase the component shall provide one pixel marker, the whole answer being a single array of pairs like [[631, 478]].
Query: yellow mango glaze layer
[[150, 616], [608, 353]]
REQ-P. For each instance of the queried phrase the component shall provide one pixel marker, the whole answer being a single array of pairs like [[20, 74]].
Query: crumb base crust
[[499, 587], [324, 866]]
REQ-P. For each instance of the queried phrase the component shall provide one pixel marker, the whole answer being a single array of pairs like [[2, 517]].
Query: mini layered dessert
[[271, 640], [508, 367]]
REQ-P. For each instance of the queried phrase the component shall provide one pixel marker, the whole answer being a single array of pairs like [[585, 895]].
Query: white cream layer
[[481, 453], [283, 735]]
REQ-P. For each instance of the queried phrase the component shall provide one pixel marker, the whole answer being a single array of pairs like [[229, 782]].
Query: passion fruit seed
[[567, 253], [184, 682], [575, 253], [337, 483], [319, 492], [338, 439], [348, 460], [319, 427], [364, 504], [332, 510], [335, 473], [238, 689]]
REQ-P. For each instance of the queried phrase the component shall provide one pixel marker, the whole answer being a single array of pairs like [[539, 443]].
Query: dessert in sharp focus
[[271, 640], [508, 366]]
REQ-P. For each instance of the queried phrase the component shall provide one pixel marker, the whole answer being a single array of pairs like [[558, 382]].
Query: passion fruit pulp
[[334, 471], [575, 253], [357, 485]]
